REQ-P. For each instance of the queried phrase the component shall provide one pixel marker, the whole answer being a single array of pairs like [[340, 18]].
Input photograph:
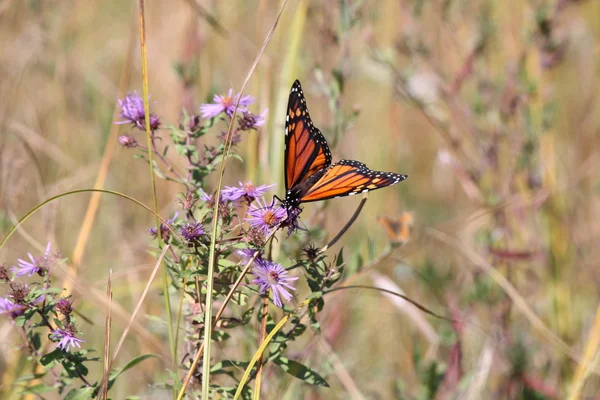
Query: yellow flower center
[[273, 277], [227, 101], [249, 187], [269, 218]]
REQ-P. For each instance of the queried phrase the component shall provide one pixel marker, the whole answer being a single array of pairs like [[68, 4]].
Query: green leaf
[[30, 377], [39, 389], [114, 374], [220, 368], [339, 260], [301, 372], [80, 394], [51, 357]]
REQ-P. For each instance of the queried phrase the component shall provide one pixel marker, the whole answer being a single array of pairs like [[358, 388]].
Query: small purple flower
[[265, 217], [64, 306], [7, 307], [291, 221], [205, 196], [247, 191], [225, 104], [270, 275], [250, 121], [66, 338], [128, 141], [192, 231], [132, 110], [164, 231], [246, 254], [37, 265], [4, 274]]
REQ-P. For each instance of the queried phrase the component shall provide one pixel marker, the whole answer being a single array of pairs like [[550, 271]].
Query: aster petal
[[246, 100], [276, 299], [211, 110], [260, 120]]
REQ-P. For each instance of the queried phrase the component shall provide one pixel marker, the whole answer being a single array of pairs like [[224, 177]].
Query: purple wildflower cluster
[[247, 191], [10, 308], [22, 298], [270, 276], [39, 265], [164, 230], [132, 111], [66, 337], [226, 104], [192, 231]]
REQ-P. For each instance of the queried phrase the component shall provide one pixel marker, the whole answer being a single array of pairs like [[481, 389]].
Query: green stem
[[165, 277]]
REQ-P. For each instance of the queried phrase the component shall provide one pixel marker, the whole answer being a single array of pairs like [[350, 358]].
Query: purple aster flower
[[132, 110], [247, 191], [225, 104], [7, 307], [164, 231], [192, 231], [66, 338], [250, 121], [37, 265], [265, 217], [270, 275]]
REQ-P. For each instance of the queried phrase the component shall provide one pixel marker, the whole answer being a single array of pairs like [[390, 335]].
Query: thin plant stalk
[[179, 312], [165, 278], [212, 254], [260, 351], [106, 365], [348, 224], [14, 228], [263, 335], [237, 283], [132, 318]]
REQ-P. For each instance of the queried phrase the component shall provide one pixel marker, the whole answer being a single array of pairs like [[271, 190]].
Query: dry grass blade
[[591, 358], [107, 327], [425, 327], [208, 17], [341, 372], [477, 386], [134, 315]]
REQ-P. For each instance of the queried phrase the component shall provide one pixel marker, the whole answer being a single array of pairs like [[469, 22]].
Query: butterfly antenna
[[347, 226]]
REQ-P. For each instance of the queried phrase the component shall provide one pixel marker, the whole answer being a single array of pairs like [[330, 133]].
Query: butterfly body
[[309, 174]]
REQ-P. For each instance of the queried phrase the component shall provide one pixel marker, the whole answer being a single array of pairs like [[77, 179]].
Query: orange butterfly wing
[[306, 151], [349, 177], [399, 228]]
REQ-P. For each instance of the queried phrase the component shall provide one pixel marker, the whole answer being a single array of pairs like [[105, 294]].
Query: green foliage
[[300, 371]]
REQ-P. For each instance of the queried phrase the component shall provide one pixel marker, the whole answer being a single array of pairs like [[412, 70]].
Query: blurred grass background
[[490, 106]]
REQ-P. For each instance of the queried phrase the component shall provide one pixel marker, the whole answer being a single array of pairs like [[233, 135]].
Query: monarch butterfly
[[309, 174], [399, 228]]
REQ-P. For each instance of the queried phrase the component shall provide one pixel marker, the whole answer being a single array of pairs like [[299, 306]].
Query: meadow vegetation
[[137, 188]]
